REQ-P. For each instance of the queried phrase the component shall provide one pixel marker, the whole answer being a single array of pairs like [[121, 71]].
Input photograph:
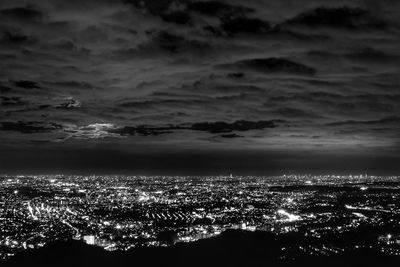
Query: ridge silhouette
[[231, 248]]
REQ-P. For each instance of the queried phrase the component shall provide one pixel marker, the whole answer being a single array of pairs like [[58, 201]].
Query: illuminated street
[[122, 212]]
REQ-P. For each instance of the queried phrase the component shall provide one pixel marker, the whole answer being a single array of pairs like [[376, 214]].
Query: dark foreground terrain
[[231, 248]]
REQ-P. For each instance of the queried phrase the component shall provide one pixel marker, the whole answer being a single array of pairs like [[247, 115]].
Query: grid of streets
[[123, 212]]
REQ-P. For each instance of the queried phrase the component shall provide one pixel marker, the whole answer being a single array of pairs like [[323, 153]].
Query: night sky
[[200, 87]]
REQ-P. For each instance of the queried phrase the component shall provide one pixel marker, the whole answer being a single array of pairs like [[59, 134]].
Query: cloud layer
[[264, 75]]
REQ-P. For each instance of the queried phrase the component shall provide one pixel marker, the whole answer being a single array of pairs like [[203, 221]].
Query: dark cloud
[[16, 38], [4, 89], [242, 125], [341, 102], [218, 8], [175, 43], [164, 43], [73, 84], [29, 127], [144, 130], [341, 17], [27, 13], [386, 120], [294, 112], [231, 26], [371, 55], [27, 84], [236, 75], [153, 6], [244, 25], [40, 107], [231, 135], [178, 17], [272, 65], [179, 12], [154, 103], [168, 10], [210, 127], [12, 101]]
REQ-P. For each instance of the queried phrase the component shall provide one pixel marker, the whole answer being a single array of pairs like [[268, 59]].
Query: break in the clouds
[[196, 75]]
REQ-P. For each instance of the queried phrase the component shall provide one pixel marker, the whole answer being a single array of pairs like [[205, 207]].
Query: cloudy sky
[[200, 87]]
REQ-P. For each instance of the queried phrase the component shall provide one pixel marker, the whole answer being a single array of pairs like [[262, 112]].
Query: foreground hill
[[231, 248]]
